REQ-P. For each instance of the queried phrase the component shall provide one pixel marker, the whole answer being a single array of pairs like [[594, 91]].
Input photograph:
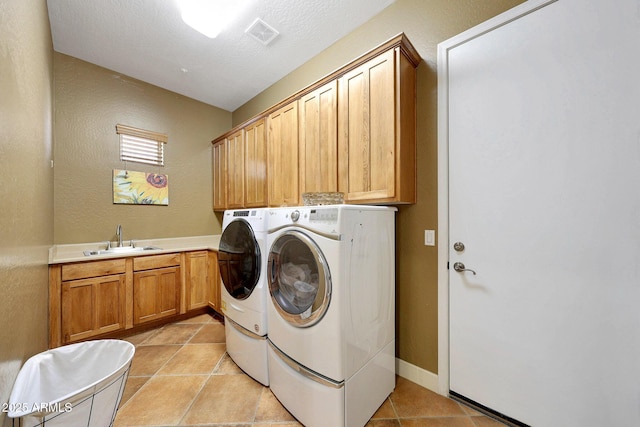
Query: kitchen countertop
[[60, 254]]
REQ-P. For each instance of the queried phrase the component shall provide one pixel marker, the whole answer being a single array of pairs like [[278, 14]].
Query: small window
[[141, 146]]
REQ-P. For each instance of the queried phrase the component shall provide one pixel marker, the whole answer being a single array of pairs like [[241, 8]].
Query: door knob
[[459, 267]]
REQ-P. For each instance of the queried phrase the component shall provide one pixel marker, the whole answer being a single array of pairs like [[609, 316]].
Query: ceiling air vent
[[261, 31]]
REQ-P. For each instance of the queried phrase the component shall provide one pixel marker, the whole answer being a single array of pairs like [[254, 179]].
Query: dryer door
[[299, 279], [239, 259]]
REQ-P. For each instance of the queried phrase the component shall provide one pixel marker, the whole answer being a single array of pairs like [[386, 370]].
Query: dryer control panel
[[324, 214]]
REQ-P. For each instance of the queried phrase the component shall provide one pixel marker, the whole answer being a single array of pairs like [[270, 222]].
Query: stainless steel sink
[[121, 250]]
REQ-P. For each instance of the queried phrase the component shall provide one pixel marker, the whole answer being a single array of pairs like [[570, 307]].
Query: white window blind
[[141, 146]]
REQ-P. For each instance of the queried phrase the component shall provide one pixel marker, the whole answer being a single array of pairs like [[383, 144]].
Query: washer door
[[299, 279], [239, 259]]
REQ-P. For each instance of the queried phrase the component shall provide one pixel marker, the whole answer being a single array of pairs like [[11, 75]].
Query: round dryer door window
[[239, 259], [299, 279]]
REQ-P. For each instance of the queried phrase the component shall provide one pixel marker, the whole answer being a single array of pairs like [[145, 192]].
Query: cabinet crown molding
[[399, 41]]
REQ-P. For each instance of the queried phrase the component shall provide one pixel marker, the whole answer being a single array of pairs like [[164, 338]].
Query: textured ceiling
[[147, 40]]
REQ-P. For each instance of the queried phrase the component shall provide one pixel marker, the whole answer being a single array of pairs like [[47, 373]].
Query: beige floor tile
[[385, 411], [286, 424], [163, 400], [133, 385], [225, 399], [270, 409], [482, 421], [469, 410], [202, 318], [228, 367], [412, 401], [383, 423], [175, 333], [148, 359], [194, 359], [141, 337], [181, 375], [463, 421], [209, 333]]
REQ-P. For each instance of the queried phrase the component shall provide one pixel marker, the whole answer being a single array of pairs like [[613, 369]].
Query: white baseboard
[[420, 376]]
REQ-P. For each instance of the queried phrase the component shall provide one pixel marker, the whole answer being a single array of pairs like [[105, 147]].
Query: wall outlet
[[429, 237]]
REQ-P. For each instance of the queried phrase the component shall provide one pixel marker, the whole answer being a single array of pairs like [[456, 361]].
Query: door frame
[[443, 171]]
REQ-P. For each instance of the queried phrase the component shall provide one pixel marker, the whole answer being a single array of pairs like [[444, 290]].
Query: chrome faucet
[[119, 234]]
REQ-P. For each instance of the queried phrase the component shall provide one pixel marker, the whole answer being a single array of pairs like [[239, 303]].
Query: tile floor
[[182, 376]]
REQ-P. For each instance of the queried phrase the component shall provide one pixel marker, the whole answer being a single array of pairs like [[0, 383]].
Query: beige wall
[[26, 184], [426, 23], [89, 102]]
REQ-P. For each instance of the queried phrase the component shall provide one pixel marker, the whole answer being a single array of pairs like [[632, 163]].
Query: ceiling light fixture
[[209, 17]]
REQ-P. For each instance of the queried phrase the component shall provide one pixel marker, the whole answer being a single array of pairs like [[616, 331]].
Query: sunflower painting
[[140, 188]]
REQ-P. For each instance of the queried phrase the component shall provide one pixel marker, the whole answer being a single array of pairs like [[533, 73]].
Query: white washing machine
[[242, 256], [331, 311]]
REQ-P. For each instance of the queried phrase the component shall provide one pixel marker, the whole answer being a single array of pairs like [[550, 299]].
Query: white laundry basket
[[76, 385]]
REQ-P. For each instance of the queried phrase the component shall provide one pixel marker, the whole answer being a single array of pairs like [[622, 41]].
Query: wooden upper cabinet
[[318, 143], [353, 131], [219, 167], [240, 168], [255, 164], [376, 131], [282, 153], [235, 170]]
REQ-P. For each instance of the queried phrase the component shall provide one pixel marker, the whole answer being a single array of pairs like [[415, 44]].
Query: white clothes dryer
[[242, 255], [331, 312]]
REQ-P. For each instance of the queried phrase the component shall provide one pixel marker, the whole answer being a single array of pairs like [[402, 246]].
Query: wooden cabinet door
[[219, 167], [255, 164], [282, 152], [214, 282], [197, 276], [318, 139], [156, 294], [367, 136], [235, 170], [92, 306], [376, 131]]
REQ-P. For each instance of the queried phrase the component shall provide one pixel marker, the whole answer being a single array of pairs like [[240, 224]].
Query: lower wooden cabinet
[[156, 287], [92, 307], [197, 279], [102, 298], [156, 294], [215, 300]]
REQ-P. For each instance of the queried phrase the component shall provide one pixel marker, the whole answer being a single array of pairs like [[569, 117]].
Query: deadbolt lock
[[458, 246]]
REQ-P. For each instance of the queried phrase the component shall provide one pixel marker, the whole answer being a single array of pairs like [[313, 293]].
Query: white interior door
[[544, 193]]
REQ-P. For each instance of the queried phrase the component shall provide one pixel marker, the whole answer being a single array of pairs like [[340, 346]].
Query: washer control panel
[[324, 214]]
